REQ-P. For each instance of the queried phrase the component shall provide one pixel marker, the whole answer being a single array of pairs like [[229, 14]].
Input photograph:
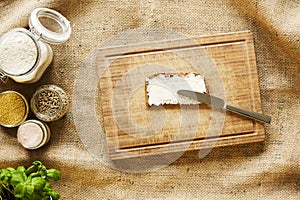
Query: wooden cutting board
[[132, 128]]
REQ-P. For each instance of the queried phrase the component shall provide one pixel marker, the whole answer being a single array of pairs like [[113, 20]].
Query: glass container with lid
[[26, 54], [49, 103], [33, 134]]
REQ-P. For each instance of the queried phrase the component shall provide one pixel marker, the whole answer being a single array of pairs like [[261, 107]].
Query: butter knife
[[220, 103]]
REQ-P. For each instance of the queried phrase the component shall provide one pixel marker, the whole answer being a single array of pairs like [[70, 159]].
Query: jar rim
[[38, 51], [44, 33]]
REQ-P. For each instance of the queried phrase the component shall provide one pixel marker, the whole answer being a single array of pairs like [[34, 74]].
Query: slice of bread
[[162, 88]]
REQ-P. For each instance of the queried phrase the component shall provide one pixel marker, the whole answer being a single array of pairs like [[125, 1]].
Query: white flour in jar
[[18, 54]]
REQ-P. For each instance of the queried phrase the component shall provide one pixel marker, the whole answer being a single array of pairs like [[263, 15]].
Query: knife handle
[[249, 114]]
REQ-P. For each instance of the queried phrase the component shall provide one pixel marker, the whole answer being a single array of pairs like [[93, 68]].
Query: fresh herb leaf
[[20, 190], [21, 169], [48, 186], [29, 189], [54, 174], [55, 195], [28, 184], [37, 195], [10, 169], [17, 177], [38, 183], [30, 169]]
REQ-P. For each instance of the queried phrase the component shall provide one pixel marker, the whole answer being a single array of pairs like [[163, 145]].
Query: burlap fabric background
[[268, 170]]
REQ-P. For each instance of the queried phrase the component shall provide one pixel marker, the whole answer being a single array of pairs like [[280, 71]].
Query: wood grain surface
[[132, 128]]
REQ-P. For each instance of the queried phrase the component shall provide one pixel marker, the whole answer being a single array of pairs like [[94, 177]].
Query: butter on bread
[[162, 88]]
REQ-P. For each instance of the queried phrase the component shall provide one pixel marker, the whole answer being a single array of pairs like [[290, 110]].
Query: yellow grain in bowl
[[13, 109]]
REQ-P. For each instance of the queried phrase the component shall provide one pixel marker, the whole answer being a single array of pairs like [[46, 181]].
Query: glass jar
[[49, 103], [13, 109], [26, 54], [33, 134]]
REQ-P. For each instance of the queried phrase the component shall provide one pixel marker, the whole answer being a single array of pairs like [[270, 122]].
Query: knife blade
[[220, 103]]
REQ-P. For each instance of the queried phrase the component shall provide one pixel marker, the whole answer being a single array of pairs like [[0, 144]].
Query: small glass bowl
[[38, 130], [49, 103], [24, 115]]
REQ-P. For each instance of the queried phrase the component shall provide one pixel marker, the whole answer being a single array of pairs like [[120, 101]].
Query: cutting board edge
[[246, 138]]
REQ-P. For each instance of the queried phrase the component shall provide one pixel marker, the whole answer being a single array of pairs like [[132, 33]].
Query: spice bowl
[[49, 103], [13, 109], [33, 134]]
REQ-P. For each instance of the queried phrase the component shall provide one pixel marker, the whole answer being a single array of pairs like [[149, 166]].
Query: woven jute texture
[[267, 170]]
